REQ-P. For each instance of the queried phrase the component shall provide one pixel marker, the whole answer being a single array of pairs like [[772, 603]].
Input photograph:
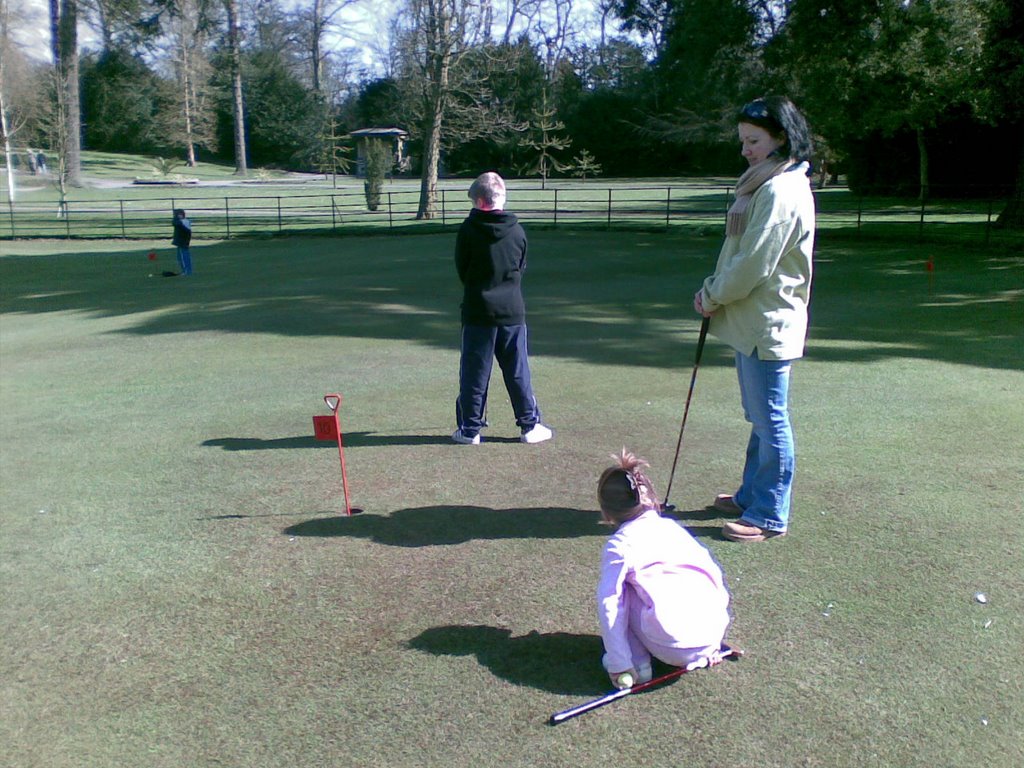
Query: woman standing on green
[[757, 300]]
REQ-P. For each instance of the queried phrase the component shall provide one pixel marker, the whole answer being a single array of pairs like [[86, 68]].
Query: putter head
[[730, 653], [666, 507]]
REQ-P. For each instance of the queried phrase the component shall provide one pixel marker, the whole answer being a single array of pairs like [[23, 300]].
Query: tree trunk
[[439, 41], [431, 159], [238, 104], [8, 155], [922, 156], [1012, 216], [316, 34], [67, 66], [190, 146]]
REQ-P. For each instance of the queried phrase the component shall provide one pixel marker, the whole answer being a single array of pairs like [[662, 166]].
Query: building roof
[[379, 132]]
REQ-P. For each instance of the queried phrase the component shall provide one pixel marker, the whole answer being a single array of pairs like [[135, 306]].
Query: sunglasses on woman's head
[[757, 110]]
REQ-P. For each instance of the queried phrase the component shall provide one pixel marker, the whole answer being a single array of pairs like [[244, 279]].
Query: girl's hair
[[780, 117], [624, 491]]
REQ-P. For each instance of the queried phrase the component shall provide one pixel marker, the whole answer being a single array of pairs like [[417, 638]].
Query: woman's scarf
[[746, 186]]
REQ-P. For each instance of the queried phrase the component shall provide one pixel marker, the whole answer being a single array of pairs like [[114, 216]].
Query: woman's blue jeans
[[767, 482]]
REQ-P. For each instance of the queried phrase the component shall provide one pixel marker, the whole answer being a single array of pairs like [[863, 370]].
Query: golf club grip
[[561, 717], [701, 339]]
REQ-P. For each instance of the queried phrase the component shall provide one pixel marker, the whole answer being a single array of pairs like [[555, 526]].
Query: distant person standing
[[182, 239], [40, 162], [32, 161], [490, 257]]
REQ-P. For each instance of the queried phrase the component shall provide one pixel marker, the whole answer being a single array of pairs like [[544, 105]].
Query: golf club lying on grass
[[560, 717], [665, 506]]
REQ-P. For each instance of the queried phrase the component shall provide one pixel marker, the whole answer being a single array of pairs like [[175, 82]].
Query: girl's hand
[[623, 680]]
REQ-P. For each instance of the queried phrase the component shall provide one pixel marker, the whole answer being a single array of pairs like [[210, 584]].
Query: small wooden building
[[396, 136]]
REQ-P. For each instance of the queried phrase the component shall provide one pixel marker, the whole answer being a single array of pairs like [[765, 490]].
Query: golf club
[[560, 717], [665, 506]]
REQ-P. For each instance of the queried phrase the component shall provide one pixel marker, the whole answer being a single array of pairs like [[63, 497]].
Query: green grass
[[180, 588]]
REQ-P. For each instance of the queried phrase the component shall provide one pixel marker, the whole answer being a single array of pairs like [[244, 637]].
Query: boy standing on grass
[[182, 239], [490, 256]]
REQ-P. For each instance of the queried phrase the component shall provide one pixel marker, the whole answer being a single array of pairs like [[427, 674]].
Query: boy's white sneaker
[[462, 439], [537, 434]]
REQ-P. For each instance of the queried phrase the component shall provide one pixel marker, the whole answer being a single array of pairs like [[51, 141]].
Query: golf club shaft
[[686, 410], [561, 717]]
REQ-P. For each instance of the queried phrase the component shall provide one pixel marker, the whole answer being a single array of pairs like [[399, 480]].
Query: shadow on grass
[[444, 525], [684, 518], [558, 662], [349, 440], [872, 300]]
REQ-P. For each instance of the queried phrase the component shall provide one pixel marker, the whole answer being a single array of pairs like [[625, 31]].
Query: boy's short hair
[[179, 212], [488, 187]]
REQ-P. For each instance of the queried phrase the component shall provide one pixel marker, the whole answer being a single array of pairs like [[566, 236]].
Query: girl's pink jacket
[[680, 586]]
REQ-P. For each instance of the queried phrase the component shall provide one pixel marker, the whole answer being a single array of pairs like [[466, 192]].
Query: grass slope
[[178, 587]]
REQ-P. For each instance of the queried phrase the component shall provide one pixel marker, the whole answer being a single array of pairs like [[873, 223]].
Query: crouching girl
[[660, 593]]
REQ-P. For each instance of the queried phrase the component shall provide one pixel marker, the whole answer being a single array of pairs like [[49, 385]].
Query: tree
[[891, 66], [13, 100], [485, 130], [648, 18], [442, 33], [234, 35], [706, 61], [583, 165], [64, 45], [124, 24], [188, 117], [554, 28], [378, 103], [314, 21], [1005, 91], [923, 60], [544, 141], [120, 102], [333, 160], [7, 129], [379, 161], [617, 64], [285, 118], [58, 136]]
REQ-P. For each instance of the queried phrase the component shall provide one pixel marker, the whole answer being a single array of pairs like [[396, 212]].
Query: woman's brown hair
[[624, 490]]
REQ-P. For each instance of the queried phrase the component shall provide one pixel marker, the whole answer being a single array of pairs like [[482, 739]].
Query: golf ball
[[625, 680]]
